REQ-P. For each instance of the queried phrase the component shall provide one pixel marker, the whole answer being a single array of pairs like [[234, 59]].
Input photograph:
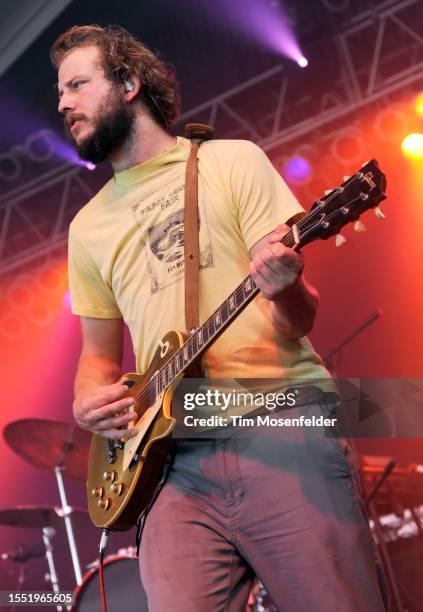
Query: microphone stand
[[331, 360], [334, 354]]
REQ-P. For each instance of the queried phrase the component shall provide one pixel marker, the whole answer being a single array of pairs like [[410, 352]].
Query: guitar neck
[[215, 325], [338, 207]]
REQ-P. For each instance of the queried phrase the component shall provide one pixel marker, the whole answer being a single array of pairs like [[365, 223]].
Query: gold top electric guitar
[[123, 477]]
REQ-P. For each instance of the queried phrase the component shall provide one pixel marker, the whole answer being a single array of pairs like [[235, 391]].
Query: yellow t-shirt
[[126, 256]]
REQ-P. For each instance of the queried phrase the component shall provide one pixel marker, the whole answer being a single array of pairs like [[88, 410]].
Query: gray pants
[[280, 503]]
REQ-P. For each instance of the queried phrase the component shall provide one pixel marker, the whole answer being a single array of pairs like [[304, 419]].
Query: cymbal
[[47, 444], [43, 516]]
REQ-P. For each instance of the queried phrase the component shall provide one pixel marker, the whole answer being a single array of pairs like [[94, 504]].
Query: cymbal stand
[[21, 580], [48, 535], [65, 511]]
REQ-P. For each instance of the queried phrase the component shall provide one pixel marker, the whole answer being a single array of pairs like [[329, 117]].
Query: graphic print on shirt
[[160, 217]]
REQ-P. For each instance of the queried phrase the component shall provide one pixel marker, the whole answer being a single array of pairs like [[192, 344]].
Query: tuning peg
[[346, 178], [379, 213], [359, 226], [339, 240]]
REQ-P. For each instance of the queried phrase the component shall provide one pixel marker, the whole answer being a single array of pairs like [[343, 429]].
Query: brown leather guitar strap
[[198, 133]]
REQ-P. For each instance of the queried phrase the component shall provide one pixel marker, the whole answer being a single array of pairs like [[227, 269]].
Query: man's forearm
[[94, 371], [294, 310]]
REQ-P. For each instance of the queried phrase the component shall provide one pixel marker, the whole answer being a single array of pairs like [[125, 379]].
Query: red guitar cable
[[102, 548]]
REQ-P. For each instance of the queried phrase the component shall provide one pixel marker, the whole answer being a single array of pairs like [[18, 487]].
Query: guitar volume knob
[[117, 488], [109, 475], [104, 503], [97, 492]]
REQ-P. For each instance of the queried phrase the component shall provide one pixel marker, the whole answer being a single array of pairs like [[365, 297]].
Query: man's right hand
[[106, 412]]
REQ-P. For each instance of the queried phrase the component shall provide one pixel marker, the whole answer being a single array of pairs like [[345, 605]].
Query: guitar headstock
[[357, 194]]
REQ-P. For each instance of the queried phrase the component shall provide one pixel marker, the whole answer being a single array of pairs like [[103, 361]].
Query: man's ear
[[131, 87]]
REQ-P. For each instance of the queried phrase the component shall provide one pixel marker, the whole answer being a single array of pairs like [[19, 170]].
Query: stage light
[[419, 104], [40, 146], [297, 169], [82, 162], [10, 166], [12, 326], [302, 62], [412, 146]]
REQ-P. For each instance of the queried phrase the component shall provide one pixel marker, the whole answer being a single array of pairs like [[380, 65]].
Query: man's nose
[[66, 103]]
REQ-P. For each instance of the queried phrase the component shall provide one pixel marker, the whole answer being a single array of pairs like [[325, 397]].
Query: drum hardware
[[21, 581], [52, 445], [259, 600], [392, 504], [42, 516], [48, 535], [65, 509], [373, 514], [39, 517], [403, 490]]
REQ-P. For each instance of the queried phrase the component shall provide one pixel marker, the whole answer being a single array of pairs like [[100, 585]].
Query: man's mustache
[[71, 118]]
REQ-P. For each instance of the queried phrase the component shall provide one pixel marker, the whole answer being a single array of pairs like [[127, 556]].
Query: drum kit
[[62, 449], [393, 495]]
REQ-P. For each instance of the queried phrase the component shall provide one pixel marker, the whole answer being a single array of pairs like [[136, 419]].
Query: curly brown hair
[[124, 55]]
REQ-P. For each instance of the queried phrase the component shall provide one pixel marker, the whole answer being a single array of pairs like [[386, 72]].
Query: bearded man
[[282, 506]]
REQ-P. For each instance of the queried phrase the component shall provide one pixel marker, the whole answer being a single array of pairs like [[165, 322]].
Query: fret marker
[[248, 285], [296, 234], [164, 347], [200, 337], [217, 318], [186, 354], [231, 303]]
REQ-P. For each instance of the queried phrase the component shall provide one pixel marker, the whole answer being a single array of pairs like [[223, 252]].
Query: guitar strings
[[190, 344], [237, 293]]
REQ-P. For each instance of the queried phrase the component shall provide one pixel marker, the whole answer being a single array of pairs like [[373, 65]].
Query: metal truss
[[34, 217], [379, 52], [373, 55]]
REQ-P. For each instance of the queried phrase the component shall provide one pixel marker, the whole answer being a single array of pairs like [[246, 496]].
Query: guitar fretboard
[[338, 207], [211, 328]]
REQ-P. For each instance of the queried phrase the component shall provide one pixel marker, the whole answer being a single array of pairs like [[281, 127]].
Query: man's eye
[[76, 84]]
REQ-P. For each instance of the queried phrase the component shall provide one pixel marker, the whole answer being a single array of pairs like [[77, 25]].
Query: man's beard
[[114, 125]]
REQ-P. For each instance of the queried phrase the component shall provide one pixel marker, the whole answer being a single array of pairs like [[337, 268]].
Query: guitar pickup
[[111, 450]]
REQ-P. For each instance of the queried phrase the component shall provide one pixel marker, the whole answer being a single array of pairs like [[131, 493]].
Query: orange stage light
[[412, 146], [419, 104]]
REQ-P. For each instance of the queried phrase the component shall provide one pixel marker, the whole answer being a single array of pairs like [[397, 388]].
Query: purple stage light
[[297, 170], [64, 150], [302, 62], [265, 21]]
